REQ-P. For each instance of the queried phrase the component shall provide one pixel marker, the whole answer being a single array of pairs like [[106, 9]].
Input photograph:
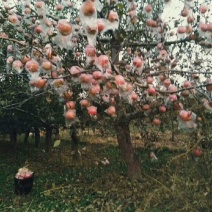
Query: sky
[[173, 10]]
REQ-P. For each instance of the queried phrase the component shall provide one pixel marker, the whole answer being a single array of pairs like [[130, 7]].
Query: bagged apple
[[23, 181]]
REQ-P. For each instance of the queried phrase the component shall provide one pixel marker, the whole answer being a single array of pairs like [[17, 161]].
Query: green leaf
[[46, 193], [57, 143], [120, 6]]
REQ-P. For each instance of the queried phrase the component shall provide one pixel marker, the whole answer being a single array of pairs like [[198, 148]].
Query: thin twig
[[158, 183], [184, 154]]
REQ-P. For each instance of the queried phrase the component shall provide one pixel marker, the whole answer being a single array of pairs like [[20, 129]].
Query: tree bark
[[127, 151], [48, 138], [26, 137], [13, 135], [57, 133], [14, 138], [37, 136], [74, 143]]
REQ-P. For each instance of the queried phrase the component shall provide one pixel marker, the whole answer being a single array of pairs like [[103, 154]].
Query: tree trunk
[[14, 138], [115, 50], [74, 143], [48, 138], [127, 151], [37, 136], [57, 133], [13, 135], [26, 137]]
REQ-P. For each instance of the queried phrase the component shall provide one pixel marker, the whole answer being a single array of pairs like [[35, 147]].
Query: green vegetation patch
[[177, 181]]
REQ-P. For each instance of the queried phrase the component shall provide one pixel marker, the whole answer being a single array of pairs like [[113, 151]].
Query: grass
[[175, 182]]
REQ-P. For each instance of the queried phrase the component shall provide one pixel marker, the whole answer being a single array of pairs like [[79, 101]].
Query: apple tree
[[123, 59]]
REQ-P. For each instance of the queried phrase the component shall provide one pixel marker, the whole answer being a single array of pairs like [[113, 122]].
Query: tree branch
[[31, 114], [173, 92], [22, 43]]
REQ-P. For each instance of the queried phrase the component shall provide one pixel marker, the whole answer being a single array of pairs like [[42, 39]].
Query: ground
[[177, 181]]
